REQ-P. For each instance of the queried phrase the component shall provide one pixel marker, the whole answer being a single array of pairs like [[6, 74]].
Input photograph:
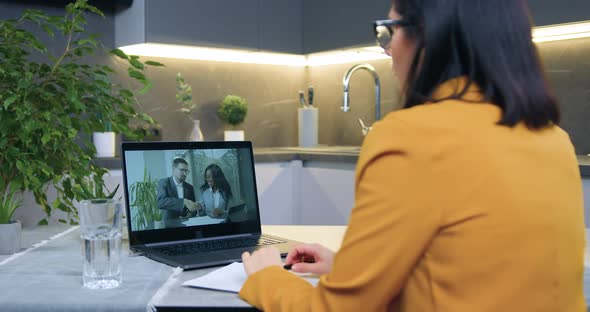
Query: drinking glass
[[100, 228]]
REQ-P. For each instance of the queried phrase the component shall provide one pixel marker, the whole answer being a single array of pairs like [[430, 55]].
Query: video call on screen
[[179, 188]]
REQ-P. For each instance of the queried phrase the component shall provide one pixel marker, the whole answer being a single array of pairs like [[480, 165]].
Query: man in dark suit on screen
[[176, 197]]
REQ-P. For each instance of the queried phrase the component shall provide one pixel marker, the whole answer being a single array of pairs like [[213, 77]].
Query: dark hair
[[219, 179], [490, 42], [178, 161]]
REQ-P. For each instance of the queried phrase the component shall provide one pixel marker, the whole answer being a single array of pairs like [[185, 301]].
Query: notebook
[[193, 204]]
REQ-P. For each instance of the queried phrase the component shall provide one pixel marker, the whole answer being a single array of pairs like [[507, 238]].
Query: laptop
[[193, 204]]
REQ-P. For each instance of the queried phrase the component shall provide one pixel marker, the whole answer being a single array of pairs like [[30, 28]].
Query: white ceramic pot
[[233, 135], [10, 238], [104, 142]]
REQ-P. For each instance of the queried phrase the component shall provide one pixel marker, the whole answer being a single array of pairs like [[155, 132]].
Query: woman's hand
[[261, 259], [310, 258], [216, 212]]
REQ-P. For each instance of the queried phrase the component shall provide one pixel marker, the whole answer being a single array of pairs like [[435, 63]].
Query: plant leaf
[[10, 100], [136, 74], [136, 63], [146, 88], [154, 63], [120, 53]]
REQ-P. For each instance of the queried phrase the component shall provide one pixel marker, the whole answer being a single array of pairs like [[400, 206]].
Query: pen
[[288, 266]]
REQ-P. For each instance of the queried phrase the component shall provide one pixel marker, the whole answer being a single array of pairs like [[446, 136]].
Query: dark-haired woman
[[469, 199], [215, 193]]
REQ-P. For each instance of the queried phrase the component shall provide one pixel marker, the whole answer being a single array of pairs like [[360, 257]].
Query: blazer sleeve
[[390, 227], [189, 191], [165, 199]]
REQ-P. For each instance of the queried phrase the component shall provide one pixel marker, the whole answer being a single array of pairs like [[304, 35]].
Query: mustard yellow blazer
[[453, 212]]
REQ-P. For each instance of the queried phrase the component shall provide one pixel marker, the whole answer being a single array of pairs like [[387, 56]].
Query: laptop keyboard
[[210, 245]]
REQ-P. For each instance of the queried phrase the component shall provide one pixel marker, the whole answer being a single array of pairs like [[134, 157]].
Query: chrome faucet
[[346, 80]]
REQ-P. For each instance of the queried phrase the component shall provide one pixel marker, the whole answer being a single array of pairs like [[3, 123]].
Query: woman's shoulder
[[430, 128], [205, 190]]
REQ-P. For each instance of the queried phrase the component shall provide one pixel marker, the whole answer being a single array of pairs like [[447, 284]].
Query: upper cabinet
[[336, 24], [292, 26], [281, 26], [219, 23], [246, 24], [549, 12]]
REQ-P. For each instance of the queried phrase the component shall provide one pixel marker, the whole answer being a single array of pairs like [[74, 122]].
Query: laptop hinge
[[197, 240]]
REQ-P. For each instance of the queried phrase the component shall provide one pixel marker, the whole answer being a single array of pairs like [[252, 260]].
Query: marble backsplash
[[567, 64], [272, 94]]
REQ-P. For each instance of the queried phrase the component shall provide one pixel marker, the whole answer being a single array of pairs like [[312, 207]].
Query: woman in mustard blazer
[[469, 198]]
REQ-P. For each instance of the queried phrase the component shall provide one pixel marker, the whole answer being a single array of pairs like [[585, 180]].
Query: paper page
[[230, 278]]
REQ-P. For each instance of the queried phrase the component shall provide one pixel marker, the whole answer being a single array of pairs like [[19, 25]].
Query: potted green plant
[[184, 96], [105, 141], [232, 112], [51, 104], [94, 188], [143, 203], [10, 230]]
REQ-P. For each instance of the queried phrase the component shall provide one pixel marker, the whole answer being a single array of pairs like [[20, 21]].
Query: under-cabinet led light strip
[[561, 32], [540, 34], [254, 57]]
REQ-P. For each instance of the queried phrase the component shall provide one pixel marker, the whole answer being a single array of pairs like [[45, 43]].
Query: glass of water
[[100, 228]]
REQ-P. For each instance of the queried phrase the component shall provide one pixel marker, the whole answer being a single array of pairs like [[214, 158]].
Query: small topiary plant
[[233, 110]]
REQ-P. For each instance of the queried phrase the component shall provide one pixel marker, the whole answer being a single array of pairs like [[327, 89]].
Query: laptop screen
[[186, 190]]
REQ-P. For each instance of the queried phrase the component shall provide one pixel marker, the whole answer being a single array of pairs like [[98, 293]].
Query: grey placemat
[[49, 278]]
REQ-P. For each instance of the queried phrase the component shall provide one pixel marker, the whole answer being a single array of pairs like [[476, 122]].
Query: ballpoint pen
[[303, 260]]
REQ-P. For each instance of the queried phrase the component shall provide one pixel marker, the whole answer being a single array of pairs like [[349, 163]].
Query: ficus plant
[[49, 104]]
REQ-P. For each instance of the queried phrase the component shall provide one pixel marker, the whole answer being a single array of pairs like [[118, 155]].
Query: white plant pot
[[104, 142], [10, 238], [233, 135]]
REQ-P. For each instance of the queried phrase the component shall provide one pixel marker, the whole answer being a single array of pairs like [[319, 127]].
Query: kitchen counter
[[584, 163], [347, 154]]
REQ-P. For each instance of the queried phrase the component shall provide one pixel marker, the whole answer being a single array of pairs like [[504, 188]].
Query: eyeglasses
[[384, 30], [184, 170]]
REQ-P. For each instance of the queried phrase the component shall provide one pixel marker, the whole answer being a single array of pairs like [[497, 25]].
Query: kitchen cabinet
[[326, 193], [275, 184], [254, 24], [221, 23], [292, 26], [336, 24], [280, 25], [310, 192]]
